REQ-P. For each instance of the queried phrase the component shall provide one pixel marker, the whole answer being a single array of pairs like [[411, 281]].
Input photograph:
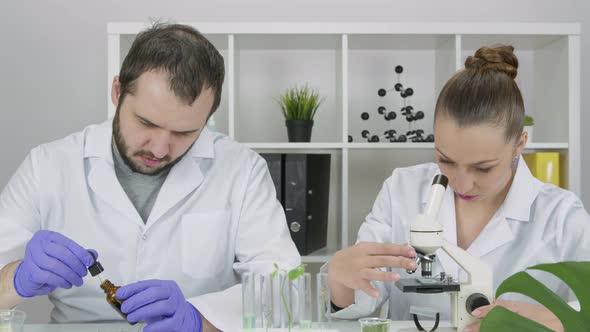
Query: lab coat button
[[144, 237]]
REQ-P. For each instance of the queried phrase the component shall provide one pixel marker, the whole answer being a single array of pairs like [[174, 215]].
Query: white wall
[[53, 55]]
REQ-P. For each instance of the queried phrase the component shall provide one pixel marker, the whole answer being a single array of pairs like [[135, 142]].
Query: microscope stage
[[426, 285]]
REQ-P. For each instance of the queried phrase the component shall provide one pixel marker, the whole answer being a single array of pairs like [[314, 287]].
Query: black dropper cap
[[95, 269]]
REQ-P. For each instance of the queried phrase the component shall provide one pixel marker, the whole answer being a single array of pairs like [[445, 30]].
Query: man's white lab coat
[[216, 216]]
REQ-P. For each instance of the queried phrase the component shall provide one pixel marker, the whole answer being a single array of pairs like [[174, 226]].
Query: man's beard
[[123, 148]]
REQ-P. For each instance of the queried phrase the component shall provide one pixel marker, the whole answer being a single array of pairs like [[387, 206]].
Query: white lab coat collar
[[203, 147], [99, 140], [186, 176], [523, 191]]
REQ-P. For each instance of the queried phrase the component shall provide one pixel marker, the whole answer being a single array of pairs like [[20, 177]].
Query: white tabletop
[[343, 326]]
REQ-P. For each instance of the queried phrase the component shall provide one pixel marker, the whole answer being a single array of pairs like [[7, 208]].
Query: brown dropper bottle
[[112, 299], [108, 287]]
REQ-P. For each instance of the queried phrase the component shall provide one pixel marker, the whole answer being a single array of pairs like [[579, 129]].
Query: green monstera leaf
[[574, 274]]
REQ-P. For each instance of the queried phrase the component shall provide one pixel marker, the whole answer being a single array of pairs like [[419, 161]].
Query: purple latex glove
[[161, 305], [51, 261]]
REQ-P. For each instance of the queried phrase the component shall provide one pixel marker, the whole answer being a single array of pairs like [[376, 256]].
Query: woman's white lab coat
[[537, 223], [216, 216]]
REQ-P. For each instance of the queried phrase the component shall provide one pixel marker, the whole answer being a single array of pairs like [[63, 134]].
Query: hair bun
[[498, 58]]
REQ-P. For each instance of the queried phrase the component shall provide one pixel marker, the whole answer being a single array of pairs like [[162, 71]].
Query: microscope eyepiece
[[437, 191], [440, 179]]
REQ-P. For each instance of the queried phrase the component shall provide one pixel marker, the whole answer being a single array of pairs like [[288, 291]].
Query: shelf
[[348, 62], [267, 65], [436, 28], [524, 42], [319, 256], [396, 41], [426, 61], [548, 146], [303, 146], [417, 146], [390, 145]]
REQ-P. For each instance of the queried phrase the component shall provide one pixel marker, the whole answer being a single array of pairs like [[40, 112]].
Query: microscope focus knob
[[475, 301]]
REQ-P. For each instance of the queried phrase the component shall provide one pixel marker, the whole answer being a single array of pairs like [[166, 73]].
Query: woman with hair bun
[[493, 206]]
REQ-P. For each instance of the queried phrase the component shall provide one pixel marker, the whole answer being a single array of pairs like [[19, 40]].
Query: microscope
[[426, 237]]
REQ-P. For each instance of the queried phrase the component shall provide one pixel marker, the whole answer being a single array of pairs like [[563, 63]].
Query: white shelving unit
[[348, 63]]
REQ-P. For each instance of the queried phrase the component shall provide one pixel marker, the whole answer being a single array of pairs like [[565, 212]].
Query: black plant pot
[[299, 130]]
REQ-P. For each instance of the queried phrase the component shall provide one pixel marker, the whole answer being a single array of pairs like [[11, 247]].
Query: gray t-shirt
[[141, 189]]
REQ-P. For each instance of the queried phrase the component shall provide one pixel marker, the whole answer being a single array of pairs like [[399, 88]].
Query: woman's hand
[[355, 267], [535, 312]]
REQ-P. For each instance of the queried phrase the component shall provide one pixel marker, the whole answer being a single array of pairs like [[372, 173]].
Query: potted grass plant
[[528, 126], [299, 105]]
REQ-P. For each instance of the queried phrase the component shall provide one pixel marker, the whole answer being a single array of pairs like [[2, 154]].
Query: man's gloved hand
[[51, 261], [161, 305]]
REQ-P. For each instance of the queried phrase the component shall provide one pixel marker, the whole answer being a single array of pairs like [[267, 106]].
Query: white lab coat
[[537, 223], [216, 216]]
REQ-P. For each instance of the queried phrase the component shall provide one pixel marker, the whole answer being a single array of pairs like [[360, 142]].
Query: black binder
[[304, 185]]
